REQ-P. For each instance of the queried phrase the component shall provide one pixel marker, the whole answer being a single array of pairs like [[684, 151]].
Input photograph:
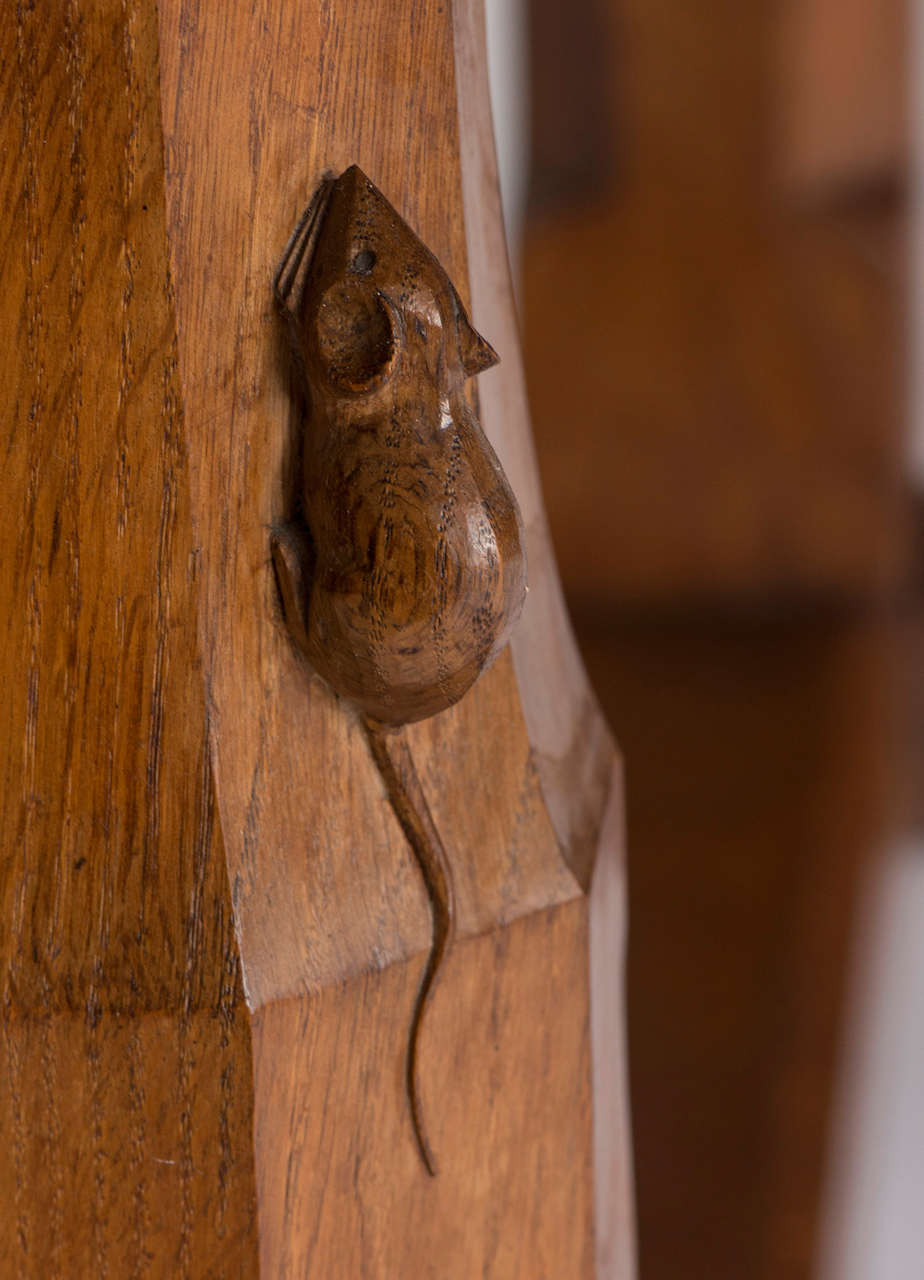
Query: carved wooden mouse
[[413, 570]]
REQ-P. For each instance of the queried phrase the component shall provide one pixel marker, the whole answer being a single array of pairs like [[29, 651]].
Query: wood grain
[[127, 1145], [513, 1196], [126, 1098]]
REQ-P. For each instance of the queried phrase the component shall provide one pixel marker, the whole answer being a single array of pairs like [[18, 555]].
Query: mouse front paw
[[293, 561]]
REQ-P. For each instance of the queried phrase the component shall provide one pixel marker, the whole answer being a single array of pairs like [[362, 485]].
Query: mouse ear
[[477, 353], [358, 335]]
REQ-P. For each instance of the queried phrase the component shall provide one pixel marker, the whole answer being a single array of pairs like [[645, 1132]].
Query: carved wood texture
[[125, 1073], [212, 928]]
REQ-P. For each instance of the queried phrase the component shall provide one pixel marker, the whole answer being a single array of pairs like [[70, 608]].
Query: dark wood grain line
[[54, 1216], [68, 509], [137, 1155], [186, 1062], [13, 1075], [226, 1161], [161, 627], [204, 817], [526, 803], [98, 1233], [128, 174], [170, 429], [129, 111], [35, 324], [230, 1006]]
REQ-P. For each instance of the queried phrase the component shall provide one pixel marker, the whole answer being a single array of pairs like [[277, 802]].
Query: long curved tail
[[390, 752]]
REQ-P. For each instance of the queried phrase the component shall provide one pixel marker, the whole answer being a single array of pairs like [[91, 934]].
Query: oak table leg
[[212, 927]]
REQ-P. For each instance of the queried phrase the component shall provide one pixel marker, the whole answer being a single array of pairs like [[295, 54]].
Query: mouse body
[[418, 567]]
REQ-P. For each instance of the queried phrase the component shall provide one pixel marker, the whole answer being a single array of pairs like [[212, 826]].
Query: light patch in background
[[508, 74], [874, 1216], [874, 1224]]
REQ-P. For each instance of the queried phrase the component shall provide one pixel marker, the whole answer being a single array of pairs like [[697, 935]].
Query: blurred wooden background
[[712, 306]]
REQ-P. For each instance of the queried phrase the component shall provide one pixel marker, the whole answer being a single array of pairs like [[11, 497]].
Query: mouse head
[[366, 300]]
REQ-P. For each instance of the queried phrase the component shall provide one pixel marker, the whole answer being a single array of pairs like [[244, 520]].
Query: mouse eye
[[363, 263], [357, 333]]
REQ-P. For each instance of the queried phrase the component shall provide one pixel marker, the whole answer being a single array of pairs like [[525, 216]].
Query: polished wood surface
[[210, 908], [125, 1077]]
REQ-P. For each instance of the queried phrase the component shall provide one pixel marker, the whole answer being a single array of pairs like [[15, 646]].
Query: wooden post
[[212, 927]]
